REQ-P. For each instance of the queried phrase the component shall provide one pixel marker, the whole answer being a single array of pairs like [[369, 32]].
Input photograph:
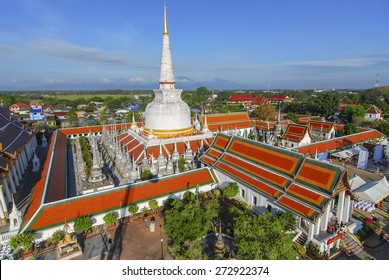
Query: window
[[255, 200], [268, 207], [242, 193]]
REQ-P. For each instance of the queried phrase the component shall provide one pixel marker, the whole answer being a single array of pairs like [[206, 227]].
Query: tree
[[327, 104], [133, 208], [384, 128], [56, 237], [153, 204], [264, 112], [103, 116], [190, 221], [263, 237], [146, 175], [189, 196], [188, 250], [231, 191], [352, 113], [23, 239], [72, 117], [82, 223], [293, 117], [349, 128], [110, 218]]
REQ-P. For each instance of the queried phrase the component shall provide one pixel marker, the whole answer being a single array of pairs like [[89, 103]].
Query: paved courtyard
[[136, 242]]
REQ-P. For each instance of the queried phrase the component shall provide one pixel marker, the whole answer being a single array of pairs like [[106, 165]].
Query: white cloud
[[136, 79], [106, 81]]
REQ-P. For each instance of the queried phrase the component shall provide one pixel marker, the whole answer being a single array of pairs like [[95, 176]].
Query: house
[[373, 113], [296, 135], [20, 108], [242, 99], [259, 100], [320, 130], [37, 114], [278, 99], [275, 179]]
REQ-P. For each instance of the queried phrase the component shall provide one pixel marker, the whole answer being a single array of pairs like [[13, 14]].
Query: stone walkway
[[136, 242]]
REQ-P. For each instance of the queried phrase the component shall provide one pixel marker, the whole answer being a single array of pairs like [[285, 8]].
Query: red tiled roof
[[295, 132], [229, 121], [297, 207], [114, 198], [260, 100], [339, 142], [240, 97], [278, 173], [221, 141], [250, 180], [92, 129], [342, 106], [271, 158], [320, 126]]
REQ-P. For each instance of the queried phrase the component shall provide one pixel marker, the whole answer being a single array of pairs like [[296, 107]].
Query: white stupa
[[167, 115]]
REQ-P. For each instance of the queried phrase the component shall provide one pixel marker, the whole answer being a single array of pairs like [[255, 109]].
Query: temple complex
[[100, 169]]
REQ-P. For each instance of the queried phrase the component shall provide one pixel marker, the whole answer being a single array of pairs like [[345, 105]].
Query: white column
[[2, 214], [317, 226], [18, 169], [11, 182], [298, 221], [325, 217], [2, 200], [310, 232], [34, 142], [339, 213], [29, 150], [6, 188], [15, 178], [24, 159], [346, 211]]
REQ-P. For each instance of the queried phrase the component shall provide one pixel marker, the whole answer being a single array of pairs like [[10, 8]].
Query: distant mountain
[[182, 82]]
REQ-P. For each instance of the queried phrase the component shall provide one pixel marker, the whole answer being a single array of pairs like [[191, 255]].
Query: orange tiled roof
[[300, 184], [92, 129], [333, 144], [295, 132], [260, 100], [230, 121], [320, 126], [240, 97], [104, 201]]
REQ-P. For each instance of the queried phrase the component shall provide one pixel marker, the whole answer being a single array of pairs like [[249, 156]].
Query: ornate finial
[[165, 31]]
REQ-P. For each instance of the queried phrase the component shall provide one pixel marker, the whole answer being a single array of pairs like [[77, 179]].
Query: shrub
[[217, 192], [181, 164], [56, 237], [110, 218], [133, 208], [146, 175], [82, 223], [23, 239], [153, 204], [231, 191], [189, 196]]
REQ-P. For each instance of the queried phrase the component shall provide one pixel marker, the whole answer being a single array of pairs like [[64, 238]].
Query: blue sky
[[74, 44]]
